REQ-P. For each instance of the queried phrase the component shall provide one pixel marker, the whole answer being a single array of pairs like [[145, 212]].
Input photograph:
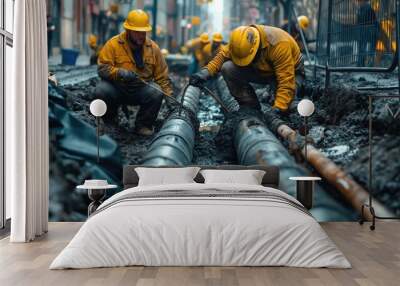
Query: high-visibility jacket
[[117, 53], [387, 39], [196, 46], [279, 56]]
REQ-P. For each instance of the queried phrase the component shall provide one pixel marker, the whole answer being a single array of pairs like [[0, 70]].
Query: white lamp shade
[[98, 107], [305, 107]]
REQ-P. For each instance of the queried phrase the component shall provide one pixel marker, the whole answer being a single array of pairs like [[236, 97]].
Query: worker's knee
[[105, 90], [152, 95], [227, 69]]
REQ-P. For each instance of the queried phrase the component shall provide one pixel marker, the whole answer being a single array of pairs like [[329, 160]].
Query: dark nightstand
[[96, 194], [305, 190]]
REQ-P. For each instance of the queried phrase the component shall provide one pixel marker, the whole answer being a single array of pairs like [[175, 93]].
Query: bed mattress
[[201, 225]]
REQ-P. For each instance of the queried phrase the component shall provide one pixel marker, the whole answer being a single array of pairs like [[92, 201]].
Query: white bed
[[267, 229]]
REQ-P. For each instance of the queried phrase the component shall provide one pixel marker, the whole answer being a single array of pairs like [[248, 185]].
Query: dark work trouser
[[116, 94], [238, 80]]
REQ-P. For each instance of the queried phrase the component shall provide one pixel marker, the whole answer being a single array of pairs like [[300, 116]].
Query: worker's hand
[[276, 112], [126, 76], [199, 79]]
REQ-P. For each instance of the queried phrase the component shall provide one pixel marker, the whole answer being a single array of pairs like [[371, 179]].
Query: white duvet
[[192, 231]]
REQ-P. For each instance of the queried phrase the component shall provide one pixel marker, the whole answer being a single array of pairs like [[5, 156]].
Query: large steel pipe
[[173, 144], [256, 144]]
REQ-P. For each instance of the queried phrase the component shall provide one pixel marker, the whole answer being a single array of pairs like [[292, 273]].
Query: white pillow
[[248, 177], [166, 176]]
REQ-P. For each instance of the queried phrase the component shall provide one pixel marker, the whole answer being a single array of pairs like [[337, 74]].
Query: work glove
[[126, 76], [200, 78], [277, 113]]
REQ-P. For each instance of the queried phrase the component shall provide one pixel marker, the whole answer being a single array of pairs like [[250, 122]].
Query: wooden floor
[[375, 257]]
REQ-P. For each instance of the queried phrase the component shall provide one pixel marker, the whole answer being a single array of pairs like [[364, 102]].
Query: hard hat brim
[[138, 29], [245, 61]]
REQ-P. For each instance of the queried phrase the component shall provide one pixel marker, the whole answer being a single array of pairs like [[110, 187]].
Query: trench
[[214, 142]]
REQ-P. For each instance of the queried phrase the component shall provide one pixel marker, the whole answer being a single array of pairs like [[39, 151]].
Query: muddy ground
[[339, 128]]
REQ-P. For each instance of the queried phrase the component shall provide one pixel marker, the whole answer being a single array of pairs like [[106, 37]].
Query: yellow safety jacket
[[387, 39], [279, 56], [117, 53], [196, 46]]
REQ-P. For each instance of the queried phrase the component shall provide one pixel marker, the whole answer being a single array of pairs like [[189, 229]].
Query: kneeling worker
[[257, 54], [129, 65]]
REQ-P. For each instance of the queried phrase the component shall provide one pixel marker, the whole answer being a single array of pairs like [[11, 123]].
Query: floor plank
[[375, 257]]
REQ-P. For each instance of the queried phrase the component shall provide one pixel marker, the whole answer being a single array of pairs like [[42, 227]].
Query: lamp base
[[96, 196], [374, 216]]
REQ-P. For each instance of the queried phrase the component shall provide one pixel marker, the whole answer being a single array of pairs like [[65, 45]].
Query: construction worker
[[133, 72], [386, 44], [294, 29], [257, 54], [211, 49], [367, 33], [114, 20], [92, 42], [196, 46]]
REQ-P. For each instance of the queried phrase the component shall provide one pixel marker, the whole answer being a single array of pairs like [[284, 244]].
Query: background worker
[[211, 49], [125, 63], [368, 27], [386, 43], [93, 45], [196, 46], [257, 54], [294, 29]]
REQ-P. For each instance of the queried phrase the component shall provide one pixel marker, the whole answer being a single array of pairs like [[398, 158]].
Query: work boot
[[144, 131]]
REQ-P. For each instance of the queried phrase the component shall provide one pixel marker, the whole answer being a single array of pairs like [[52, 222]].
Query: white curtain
[[27, 124]]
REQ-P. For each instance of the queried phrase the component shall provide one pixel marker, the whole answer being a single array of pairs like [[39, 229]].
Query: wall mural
[[203, 132]]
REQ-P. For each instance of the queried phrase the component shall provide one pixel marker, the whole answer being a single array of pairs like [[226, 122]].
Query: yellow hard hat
[[304, 22], [137, 20], [243, 45], [184, 50], [217, 37], [164, 52], [92, 41], [204, 38]]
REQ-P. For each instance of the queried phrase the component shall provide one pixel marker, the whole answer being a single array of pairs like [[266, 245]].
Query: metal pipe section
[[226, 97], [173, 144], [351, 191], [256, 144]]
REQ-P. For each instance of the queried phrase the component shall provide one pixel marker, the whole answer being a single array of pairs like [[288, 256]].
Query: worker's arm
[[192, 44], [161, 72], [215, 65], [284, 68], [106, 63]]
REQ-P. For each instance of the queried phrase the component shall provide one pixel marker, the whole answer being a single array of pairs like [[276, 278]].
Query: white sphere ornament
[[305, 107], [98, 107]]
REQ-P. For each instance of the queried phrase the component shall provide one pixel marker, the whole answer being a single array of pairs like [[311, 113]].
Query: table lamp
[[305, 108], [98, 108]]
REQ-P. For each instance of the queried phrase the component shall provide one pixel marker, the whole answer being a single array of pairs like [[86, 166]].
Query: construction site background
[[177, 20]]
